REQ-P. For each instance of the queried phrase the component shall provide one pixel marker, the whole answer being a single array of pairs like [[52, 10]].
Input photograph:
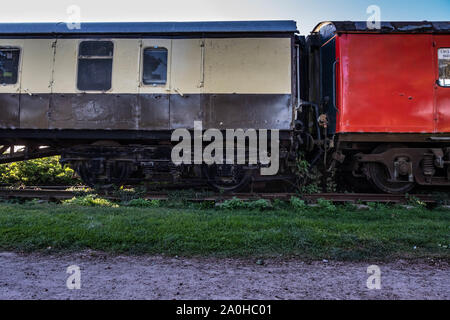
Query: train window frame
[[93, 57], [155, 83], [443, 82], [4, 84]]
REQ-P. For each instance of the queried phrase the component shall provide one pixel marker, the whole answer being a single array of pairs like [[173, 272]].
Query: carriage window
[[9, 65], [155, 66], [95, 60], [444, 67]]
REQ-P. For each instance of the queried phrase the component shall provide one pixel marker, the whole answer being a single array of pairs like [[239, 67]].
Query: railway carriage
[[384, 95], [108, 96]]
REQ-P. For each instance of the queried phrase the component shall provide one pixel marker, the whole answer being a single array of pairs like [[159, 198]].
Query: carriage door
[[442, 86], [36, 82], [187, 82], [154, 86], [10, 68]]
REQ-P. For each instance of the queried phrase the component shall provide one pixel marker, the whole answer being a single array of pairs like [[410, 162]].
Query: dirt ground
[[103, 276]]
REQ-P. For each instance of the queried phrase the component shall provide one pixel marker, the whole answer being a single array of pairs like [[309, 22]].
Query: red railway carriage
[[384, 95], [388, 83]]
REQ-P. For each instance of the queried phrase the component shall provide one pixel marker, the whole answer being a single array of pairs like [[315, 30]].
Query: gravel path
[[103, 276]]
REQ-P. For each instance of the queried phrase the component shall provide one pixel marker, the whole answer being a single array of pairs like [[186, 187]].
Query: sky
[[307, 13]]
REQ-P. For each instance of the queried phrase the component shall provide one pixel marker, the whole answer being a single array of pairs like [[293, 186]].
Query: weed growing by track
[[45, 171]]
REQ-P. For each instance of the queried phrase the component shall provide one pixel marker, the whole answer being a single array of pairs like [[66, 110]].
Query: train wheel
[[103, 177], [379, 175], [227, 178]]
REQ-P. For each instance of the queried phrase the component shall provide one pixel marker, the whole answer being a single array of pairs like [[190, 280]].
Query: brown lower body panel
[[145, 111]]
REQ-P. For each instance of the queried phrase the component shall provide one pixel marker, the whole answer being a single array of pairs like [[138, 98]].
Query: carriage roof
[[149, 28]]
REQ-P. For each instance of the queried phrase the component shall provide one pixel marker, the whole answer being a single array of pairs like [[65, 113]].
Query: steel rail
[[58, 194]]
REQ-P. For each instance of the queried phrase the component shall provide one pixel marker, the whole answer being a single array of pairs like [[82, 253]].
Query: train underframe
[[393, 163], [108, 163]]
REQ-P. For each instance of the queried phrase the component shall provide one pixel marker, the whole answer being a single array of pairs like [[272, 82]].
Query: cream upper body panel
[[187, 66], [65, 73], [125, 71], [222, 66], [37, 66], [248, 65]]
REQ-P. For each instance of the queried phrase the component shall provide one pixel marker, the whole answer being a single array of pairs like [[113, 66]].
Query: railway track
[[58, 193]]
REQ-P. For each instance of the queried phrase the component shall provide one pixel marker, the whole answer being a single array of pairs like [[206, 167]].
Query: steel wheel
[[379, 175], [227, 178], [115, 175]]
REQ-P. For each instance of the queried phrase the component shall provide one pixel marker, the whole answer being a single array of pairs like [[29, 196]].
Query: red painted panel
[[386, 83], [442, 93]]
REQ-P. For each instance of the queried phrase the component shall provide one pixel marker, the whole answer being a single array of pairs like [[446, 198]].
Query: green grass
[[312, 233]]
